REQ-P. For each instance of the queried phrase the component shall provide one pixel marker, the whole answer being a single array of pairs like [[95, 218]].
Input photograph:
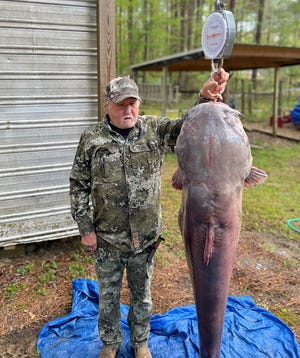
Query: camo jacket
[[122, 178]]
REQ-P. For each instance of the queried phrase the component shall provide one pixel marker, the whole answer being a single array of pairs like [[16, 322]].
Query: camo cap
[[121, 88]]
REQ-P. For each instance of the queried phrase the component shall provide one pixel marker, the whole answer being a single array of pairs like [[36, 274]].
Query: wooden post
[[280, 109], [250, 98], [275, 100], [243, 97], [164, 89], [106, 48]]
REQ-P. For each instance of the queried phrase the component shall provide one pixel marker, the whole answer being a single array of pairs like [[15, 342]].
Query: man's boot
[[108, 352], [142, 352]]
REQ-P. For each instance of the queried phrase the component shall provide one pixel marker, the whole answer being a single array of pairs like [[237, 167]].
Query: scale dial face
[[214, 35]]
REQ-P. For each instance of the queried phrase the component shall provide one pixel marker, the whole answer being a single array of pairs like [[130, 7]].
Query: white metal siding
[[48, 95]]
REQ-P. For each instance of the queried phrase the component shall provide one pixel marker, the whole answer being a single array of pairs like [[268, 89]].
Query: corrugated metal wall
[[48, 95]]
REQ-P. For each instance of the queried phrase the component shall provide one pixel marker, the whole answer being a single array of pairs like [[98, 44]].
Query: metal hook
[[216, 65], [219, 5]]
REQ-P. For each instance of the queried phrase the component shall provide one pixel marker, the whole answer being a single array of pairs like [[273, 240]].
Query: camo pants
[[110, 264]]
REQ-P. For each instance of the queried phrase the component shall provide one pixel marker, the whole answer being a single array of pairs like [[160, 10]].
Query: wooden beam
[[243, 57], [106, 48]]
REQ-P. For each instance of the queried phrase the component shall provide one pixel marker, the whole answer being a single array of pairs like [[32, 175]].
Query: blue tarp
[[295, 113], [249, 331]]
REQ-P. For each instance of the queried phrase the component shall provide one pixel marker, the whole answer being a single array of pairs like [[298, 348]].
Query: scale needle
[[213, 35]]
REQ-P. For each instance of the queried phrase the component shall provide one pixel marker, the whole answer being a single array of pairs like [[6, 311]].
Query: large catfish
[[214, 163]]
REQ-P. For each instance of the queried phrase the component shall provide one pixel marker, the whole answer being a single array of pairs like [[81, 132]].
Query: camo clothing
[[121, 88], [122, 176], [110, 264]]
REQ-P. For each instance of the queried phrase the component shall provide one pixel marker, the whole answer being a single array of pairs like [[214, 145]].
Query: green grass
[[287, 316], [269, 206], [170, 201], [11, 290], [266, 207]]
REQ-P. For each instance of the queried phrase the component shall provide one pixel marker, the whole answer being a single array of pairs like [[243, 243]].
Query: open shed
[[243, 57]]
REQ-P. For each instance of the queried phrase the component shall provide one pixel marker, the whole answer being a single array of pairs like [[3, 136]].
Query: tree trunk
[[145, 35], [232, 5], [260, 15], [130, 22]]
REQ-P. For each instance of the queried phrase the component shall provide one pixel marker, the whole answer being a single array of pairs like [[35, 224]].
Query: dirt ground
[[36, 286]]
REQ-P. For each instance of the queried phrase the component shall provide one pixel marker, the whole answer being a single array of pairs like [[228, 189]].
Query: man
[[118, 164]]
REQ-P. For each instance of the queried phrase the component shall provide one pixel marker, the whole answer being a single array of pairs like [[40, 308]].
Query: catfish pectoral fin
[[255, 177], [177, 180]]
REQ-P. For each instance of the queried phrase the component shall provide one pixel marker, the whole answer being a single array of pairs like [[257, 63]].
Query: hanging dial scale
[[218, 34]]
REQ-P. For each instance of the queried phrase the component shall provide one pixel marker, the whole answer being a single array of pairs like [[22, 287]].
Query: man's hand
[[89, 241], [215, 86]]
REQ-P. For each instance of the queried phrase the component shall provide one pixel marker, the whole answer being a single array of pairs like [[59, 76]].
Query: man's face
[[124, 114]]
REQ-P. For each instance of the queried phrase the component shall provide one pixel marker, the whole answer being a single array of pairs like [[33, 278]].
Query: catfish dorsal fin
[[177, 180], [255, 177]]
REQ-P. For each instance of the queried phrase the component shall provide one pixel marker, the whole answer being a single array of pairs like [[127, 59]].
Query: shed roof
[[243, 57]]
